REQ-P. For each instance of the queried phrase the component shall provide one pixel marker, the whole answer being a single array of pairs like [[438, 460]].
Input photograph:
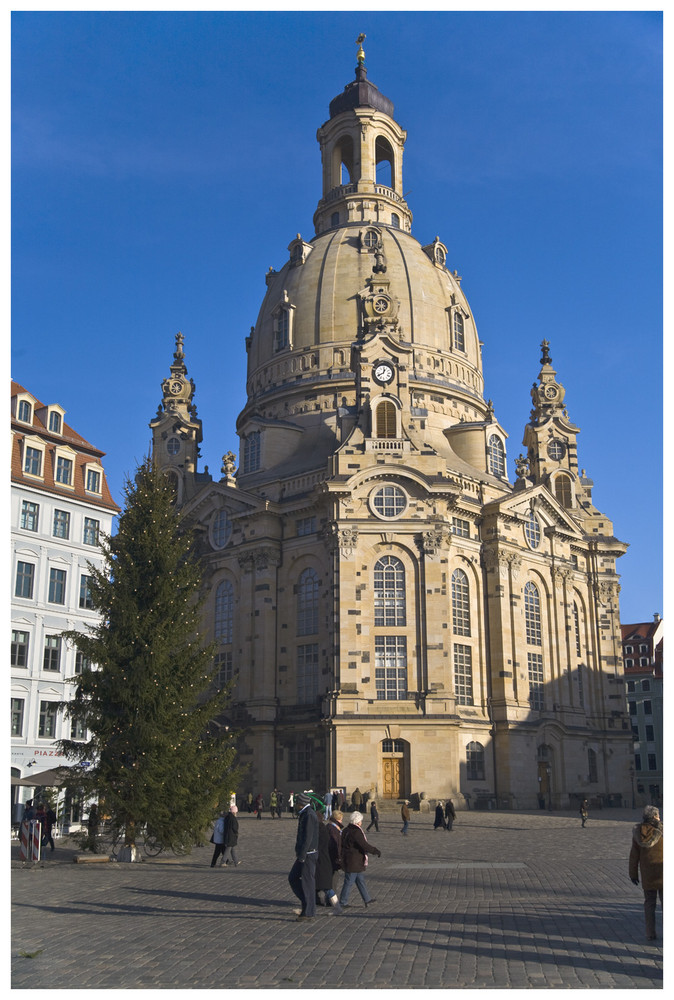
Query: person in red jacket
[[355, 849]]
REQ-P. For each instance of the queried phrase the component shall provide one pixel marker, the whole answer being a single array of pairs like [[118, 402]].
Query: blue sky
[[162, 162]]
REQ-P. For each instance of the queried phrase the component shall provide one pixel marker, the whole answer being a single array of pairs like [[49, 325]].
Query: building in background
[[642, 658], [394, 610], [60, 506]]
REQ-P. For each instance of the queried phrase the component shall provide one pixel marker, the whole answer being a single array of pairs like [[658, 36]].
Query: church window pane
[[459, 339], [475, 762], [307, 603], [463, 674], [532, 530], [563, 490], [224, 612], [532, 614], [371, 239], [221, 529], [390, 662], [389, 501], [389, 592], [282, 330], [395, 220], [251, 452], [386, 420], [535, 669], [460, 527], [173, 445], [460, 603], [496, 456], [307, 673], [222, 669], [576, 628], [299, 762]]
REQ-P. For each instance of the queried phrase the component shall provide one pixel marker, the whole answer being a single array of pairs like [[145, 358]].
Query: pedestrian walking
[[218, 838], [405, 814], [374, 816], [231, 837], [439, 822], [302, 876], [279, 804], [291, 803], [49, 821], [583, 812], [273, 802], [249, 802], [646, 860], [356, 798], [327, 800], [450, 814], [324, 872], [334, 827], [355, 850], [259, 805]]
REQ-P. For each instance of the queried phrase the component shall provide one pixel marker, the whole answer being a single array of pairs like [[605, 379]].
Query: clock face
[[175, 388], [380, 305], [550, 391], [383, 372]]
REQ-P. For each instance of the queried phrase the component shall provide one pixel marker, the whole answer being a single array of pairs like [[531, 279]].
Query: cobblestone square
[[505, 900]]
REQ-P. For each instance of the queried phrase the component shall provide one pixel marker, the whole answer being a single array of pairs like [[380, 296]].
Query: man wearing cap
[[302, 877]]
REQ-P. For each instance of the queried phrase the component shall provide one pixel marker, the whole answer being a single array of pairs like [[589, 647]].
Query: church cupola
[[176, 429], [362, 152]]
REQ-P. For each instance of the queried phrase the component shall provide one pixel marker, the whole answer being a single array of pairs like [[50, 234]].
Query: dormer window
[[55, 422], [370, 239], [93, 480], [32, 461], [25, 411], [64, 471], [459, 338]]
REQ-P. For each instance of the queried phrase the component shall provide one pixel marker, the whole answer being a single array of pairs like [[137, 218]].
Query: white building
[[60, 505]]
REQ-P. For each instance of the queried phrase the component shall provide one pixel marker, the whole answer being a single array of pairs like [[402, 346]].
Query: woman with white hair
[[355, 849]]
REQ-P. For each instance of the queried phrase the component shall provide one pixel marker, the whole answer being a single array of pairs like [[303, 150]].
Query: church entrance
[[393, 770]]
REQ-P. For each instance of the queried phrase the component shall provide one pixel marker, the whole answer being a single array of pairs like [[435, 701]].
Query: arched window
[[393, 746], [592, 774], [532, 530], [344, 152], [460, 603], [251, 452], [282, 330], [334, 219], [307, 603], [389, 592], [532, 613], [459, 340], [563, 490], [224, 612], [496, 456], [386, 420], [384, 161], [395, 220], [475, 761]]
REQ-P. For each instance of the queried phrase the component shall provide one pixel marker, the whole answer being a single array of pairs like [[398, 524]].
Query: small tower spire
[[361, 53]]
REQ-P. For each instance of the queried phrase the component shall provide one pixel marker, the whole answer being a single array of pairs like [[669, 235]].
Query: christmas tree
[[161, 763]]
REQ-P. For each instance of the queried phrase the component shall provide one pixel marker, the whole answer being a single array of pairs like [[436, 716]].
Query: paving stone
[[510, 900]]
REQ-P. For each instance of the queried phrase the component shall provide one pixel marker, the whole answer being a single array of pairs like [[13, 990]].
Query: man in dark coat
[[302, 876], [374, 816], [646, 858], [450, 814], [231, 837]]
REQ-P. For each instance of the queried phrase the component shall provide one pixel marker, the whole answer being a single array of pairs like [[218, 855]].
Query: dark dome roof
[[360, 93]]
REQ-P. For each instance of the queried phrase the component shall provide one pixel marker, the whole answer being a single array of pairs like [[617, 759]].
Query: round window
[[221, 529], [173, 446], [556, 450], [389, 501], [532, 531]]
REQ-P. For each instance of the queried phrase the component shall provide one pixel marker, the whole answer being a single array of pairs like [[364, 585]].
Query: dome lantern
[[362, 152]]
